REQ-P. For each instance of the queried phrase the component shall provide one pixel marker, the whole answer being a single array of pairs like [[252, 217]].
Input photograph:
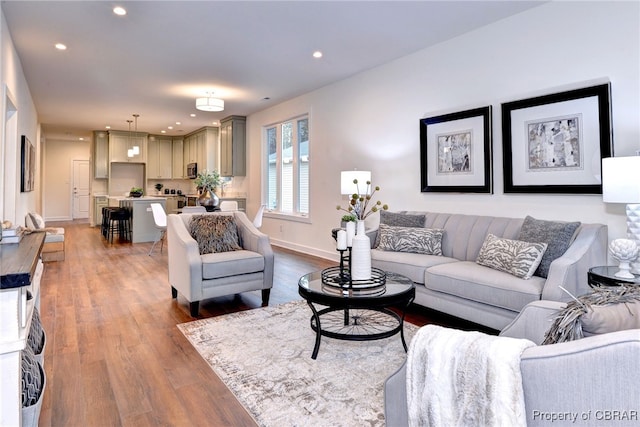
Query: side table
[[605, 276]]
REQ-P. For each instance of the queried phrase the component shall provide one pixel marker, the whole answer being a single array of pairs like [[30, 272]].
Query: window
[[288, 166]]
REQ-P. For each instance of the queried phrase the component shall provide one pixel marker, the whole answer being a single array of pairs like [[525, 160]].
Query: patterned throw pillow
[[214, 233], [410, 239], [511, 256], [557, 235], [397, 219]]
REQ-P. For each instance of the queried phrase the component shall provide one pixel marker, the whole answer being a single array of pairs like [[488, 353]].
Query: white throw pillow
[[515, 257]]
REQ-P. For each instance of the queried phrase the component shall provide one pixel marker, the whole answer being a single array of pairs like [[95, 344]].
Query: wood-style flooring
[[114, 356]]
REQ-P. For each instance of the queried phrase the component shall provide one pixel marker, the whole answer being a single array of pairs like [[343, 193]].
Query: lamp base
[[633, 230]]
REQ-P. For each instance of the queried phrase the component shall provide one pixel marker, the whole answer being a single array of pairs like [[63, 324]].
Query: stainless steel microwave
[[192, 170]]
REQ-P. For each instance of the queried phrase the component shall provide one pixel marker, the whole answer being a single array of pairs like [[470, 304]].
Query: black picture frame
[[467, 167], [27, 165], [555, 143]]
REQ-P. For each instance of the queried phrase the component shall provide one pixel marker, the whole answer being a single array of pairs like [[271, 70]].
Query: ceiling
[[161, 55]]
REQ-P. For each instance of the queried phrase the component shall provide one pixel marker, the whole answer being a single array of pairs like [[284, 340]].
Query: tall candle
[[342, 240], [351, 231]]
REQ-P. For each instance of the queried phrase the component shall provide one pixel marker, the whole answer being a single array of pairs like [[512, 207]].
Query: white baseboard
[[57, 218], [331, 256]]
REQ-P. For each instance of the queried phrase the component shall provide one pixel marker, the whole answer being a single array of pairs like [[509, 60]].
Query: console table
[[21, 271]]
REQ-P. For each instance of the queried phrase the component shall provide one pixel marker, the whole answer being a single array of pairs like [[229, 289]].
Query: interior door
[[80, 189]]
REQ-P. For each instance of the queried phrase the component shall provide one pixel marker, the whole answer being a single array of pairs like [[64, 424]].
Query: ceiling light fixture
[[209, 103], [119, 10], [61, 46], [317, 54]]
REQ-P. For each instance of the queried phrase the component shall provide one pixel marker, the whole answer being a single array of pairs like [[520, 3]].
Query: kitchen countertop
[[133, 199]]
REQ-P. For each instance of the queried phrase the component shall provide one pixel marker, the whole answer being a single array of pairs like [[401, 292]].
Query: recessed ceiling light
[[192, 114], [163, 131], [178, 123], [170, 127], [107, 127], [81, 139], [61, 46], [119, 10], [317, 54]]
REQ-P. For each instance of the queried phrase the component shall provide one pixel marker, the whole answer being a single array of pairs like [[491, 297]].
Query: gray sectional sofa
[[454, 283]]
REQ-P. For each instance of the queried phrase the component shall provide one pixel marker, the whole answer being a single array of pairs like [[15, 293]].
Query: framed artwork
[[455, 152], [27, 165], [555, 143]]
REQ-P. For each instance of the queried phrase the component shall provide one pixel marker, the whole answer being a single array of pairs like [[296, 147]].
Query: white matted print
[[455, 152], [555, 143]]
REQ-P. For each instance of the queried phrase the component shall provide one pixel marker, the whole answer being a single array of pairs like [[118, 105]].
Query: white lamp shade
[[621, 179], [209, 104], [346, 181]]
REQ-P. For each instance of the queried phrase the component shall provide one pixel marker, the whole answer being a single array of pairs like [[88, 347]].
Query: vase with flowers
[[361, 205], [207, 182]]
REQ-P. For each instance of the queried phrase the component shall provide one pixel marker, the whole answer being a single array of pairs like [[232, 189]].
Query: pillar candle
[[342, 240], [351, 231]]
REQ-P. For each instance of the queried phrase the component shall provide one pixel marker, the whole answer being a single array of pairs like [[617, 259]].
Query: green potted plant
[[347, 218], [207, 182], [136, 192], [158, 187]]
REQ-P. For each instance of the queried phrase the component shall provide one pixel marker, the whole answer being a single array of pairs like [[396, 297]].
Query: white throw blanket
[[458, 378]]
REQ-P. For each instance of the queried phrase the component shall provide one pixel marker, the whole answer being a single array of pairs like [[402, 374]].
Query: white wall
[[14, 204], [58, 157], [370, 121]]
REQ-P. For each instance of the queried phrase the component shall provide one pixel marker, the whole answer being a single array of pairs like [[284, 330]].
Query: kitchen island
[[143, 228]]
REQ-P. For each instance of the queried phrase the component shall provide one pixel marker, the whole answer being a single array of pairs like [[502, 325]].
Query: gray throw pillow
[[515, 257], [557, 235], [396, 219], [602, 319], [214, 233], [410, 239]]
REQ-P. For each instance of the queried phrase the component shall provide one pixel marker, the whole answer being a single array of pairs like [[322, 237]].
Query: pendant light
[[130, 150], [136, 148]]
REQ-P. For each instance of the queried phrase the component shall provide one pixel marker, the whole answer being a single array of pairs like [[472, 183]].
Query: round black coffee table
[[357, 315]]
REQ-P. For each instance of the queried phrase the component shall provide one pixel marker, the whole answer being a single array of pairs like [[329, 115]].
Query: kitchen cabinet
[[201, 147], [177, 159], [99, 202], [159, 157], [21, 270], [121, 141], [143, 228], [233, 156], [100, 155]]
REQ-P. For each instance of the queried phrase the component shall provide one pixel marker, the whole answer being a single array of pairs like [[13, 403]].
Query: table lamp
[[621, 184], [347, 187]]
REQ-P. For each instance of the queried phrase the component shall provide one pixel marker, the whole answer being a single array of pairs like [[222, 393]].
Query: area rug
[[264, 356]]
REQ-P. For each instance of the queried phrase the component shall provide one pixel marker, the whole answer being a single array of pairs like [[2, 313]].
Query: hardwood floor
[[114, 356]]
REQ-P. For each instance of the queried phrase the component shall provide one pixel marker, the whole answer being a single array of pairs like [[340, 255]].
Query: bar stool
[[119, 220], [104, 228]]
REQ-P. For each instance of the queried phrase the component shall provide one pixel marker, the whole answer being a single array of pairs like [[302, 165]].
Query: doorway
[[80, 189]]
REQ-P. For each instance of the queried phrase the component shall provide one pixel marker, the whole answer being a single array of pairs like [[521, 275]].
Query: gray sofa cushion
[[557, 235], [426, 241], [511, 256], [471, 281], [408, 264], [224, 264]]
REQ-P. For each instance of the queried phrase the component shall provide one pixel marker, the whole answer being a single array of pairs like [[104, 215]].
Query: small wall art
[[555, 143], [27, 165], [455, 152]]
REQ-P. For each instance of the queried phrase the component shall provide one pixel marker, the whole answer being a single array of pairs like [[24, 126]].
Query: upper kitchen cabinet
[[177, 162], [100, 155], [201, 147], [159, 157], [121, 141], [233, 155]]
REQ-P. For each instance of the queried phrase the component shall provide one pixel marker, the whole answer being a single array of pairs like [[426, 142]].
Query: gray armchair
[[198, 277], [596, 378]]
